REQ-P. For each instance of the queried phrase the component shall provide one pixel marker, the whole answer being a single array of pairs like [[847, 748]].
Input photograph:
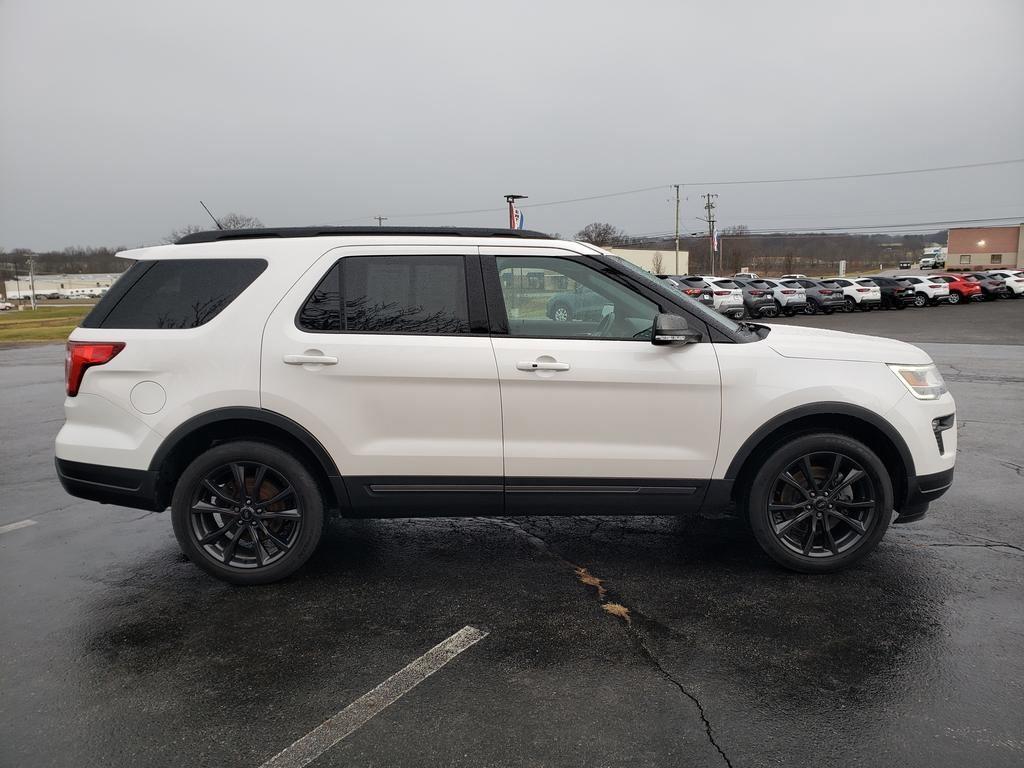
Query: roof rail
[[216, 235]]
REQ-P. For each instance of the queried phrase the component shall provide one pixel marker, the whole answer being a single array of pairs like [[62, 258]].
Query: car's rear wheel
[[820, 502], [920, 300], [954, 297], [247, 512], [812, 307], [561, 313], [851, 305]]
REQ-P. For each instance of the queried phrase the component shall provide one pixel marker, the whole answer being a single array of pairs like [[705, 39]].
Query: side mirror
[[673, 329]]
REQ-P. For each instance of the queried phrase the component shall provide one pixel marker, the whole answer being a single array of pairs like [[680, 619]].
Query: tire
[[561, 313], [899, 305], [275, 530], [778, 308], [920, 300], [954, 297], [812, 307], [827, 310], [851, 305], [789, 312], [787, 518]]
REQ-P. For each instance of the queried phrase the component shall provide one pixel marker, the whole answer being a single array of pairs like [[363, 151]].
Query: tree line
[[775, 253]]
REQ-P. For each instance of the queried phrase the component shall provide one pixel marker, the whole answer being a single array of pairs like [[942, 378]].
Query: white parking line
[[324, 736], [15, 526]]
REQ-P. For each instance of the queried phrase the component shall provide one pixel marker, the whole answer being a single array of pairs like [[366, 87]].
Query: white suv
[[926, 290], [860, 292], [259, 381]]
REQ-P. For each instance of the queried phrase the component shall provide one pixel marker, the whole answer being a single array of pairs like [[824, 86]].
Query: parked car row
[[748, 295]]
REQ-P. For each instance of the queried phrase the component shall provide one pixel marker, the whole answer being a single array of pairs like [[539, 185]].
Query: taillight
[[722, 293], [789, 293], [85, 354], [757, 293], [934, 286], [692, 291], [863, 290], [825, 292]]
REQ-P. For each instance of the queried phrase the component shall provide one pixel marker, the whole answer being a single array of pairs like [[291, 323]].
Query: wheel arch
[[222, 425], [842, 418]]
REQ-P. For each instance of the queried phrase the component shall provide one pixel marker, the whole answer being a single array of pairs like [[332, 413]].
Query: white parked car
[[926, 290], [794, 277], [728, 296], [860, 292], [5, 306], [790, 297], [1013, 278], [416, 372]]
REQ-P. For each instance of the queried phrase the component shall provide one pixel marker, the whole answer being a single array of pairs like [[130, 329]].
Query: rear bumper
[[136, 488]]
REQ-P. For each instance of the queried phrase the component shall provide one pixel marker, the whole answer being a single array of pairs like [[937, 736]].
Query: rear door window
[[173, 293], [390, 294]]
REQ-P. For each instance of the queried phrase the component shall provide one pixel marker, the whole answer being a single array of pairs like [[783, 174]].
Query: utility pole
[[380, 220], [676, 272], [709, 206], [32, 279]]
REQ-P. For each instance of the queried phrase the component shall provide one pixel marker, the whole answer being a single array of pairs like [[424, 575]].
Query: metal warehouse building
[[985, 247]]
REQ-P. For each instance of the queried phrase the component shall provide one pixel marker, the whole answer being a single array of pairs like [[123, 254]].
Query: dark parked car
[[578, 304], [992, 288], [695, 287], [821, 298], [757, 300], [896, 294], [906, 264]]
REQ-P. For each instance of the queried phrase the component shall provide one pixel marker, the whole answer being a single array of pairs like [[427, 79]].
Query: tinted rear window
[[870, 283], [176, 293], [726, 284], [791, 284], [390, 294]]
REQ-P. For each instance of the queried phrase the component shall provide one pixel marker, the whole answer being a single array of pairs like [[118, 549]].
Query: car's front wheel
[[247, 512], [954, 297], [820, 502], [561, 313]]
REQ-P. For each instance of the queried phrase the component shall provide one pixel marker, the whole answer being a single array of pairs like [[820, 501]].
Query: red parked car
[[960, 289]]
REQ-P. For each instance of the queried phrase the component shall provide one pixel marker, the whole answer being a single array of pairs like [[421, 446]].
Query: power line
[[810, 230], [795, 179]]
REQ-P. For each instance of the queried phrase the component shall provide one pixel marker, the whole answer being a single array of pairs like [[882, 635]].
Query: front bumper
[[136, 488], [922, 490]]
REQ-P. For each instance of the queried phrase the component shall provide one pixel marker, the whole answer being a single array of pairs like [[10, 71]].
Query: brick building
[[985, 247]]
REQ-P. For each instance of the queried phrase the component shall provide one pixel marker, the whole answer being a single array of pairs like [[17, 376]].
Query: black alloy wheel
[[812, 307], [851, 305], [820, 503], [247, 512]]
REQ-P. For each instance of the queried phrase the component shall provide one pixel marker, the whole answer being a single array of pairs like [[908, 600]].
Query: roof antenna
[[211, 215]]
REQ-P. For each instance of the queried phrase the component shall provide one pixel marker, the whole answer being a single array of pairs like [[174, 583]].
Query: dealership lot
[[117, 651]]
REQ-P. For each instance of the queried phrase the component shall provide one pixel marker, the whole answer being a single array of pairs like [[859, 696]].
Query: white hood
[[819, 344]]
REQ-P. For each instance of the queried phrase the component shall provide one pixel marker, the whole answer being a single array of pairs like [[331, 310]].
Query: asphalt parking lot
[[116, 651]]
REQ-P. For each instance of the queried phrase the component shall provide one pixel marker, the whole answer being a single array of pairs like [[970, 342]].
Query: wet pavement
[[118, 652]]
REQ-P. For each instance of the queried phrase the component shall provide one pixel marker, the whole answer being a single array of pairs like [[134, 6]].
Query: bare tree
[[600, 234], [656, 263], [228, 221]]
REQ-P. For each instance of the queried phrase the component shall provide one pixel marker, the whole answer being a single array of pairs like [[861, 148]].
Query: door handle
[[310, 359], [541, 365]]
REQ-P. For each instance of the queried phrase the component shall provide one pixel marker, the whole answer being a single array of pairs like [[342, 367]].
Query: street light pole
[[511, 200], [676, 272]]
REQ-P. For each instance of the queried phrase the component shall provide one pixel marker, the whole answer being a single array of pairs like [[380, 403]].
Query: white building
[[647, 259]]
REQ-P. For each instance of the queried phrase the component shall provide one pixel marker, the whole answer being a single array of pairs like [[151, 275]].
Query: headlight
[[924, 381]]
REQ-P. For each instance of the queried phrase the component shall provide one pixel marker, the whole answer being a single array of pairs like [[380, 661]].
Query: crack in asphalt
[[612, 606], [1018, 468], [996, 545]]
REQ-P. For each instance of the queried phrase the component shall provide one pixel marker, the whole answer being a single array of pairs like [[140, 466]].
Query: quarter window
[[173, 293], [390, 294], [555, 297]]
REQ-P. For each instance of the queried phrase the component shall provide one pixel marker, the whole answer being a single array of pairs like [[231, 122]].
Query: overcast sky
[[117, 117]]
